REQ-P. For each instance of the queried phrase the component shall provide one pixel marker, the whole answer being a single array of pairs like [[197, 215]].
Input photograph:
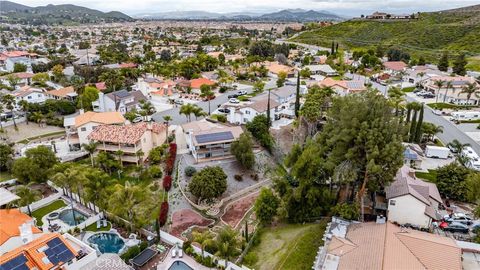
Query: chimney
[[82, 111], [26, 233]]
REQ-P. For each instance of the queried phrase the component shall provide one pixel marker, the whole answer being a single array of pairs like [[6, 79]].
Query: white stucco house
[[411, 200], [244, 113], [121, 101]]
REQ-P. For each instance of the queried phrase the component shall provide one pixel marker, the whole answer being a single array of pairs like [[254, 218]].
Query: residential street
[[179, 119]]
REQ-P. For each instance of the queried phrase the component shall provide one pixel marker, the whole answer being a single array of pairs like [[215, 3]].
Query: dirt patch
[[235, 211], [184, 219]]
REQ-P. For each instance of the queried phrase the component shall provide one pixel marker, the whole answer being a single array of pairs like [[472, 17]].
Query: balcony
[[113, 148]]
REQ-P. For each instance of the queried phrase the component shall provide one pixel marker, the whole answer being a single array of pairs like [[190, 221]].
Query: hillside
[[56, 14], [453, 30]]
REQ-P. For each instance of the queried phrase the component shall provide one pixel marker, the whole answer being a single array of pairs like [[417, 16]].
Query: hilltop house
[[411, 200], [207, 140], [78, 128], [134, 141], [121, 101]]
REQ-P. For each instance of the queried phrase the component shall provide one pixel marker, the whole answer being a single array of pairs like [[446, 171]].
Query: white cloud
[[352, 7]]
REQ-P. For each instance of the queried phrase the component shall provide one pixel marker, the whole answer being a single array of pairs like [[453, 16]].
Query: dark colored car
[[224, 110], [456, 227], [233, 96], [428, 96]]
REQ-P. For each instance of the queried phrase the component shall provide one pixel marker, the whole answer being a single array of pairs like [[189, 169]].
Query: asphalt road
[[178, 119]]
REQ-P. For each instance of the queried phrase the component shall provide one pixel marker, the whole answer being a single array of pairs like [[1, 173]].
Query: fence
[[41, 203]]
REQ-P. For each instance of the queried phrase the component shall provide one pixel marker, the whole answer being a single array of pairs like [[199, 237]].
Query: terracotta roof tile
[[129, 134], [62, 92], [105, 118], [10, 221]]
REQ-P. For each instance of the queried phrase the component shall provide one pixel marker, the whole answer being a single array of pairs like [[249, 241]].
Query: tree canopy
[[209, 183]]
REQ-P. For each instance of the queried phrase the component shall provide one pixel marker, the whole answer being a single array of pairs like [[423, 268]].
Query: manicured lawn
[[41, 212], [93, 228], [4, 176], [408, 89], [292, 246], [431, 176], [447, 106]]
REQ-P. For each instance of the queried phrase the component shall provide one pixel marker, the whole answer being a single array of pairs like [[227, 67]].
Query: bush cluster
[[162, 219], [167, 182]]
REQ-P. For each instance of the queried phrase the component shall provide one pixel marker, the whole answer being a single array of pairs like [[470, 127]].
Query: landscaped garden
[[41, 212]]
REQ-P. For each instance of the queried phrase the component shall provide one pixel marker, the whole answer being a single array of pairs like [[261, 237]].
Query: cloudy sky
[[341, 7]]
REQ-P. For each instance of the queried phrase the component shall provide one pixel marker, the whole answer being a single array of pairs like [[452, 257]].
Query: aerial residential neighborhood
[[181, 135]]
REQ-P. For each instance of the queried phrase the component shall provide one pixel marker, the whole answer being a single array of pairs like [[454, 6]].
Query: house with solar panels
[[210, 141], [23, 246]]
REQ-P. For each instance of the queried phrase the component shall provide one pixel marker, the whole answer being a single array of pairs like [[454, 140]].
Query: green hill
[[56, 14], [432, 33]]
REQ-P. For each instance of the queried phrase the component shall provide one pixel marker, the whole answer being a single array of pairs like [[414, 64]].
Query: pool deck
[[64, 227], [186, 259]]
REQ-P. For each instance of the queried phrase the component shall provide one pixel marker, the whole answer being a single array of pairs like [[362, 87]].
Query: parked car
[[224, 110], [241, 92], [234, 100], [232, 96], [137, 119], [422, 93], [476, 227], [428, 95], [179, 102], [463, 220], [456, 227]]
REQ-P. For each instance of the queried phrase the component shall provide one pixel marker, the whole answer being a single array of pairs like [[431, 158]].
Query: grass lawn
[[4, 176], [439, 105], [470, 121], [431, 176], [41, 136], [93, 228], [41, 212], [408, 89], [290, 246]]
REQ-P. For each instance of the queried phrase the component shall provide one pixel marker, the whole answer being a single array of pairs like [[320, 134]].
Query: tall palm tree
[[469, 89], [96, 188], [27, 196], [203, 238], [167, 119], [206, 92], [9, 102], [396, 97], [439, 84], [119, 154], [187, 110], [457, 147], [198, 112], [90, 148], [38, 117], [227, 244], [139, 155], [24, 104], [447, 86]]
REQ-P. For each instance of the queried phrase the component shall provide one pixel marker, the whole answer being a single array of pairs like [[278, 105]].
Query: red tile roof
[[129, 134], [10, 221], [197, 83], [395, 65]]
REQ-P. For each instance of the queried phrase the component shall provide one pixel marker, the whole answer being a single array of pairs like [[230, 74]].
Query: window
[[247, 112], [29, 97], [83, 129], [392, 202]]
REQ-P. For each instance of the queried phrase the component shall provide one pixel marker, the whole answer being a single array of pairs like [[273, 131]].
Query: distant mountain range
[[291, 15], [56, 14]]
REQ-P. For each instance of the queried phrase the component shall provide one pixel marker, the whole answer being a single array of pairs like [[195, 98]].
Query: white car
[[234, 100], [242, 92]]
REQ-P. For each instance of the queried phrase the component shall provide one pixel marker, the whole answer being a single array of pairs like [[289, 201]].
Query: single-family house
[[134, 141], [24, 78], [343, 87], [394, 67], [325, 70], [411, 200], [121, 101], [451, 90], [66, 93], [385, 246], [275, 68], [207, 140], [195, 84], [29, 94], [244, 113], [79, 127]]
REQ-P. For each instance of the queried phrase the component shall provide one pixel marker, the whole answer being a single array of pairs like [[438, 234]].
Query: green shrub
[[155, 172], [130, 253], [221, 118], [250, 259], [190, 171], [346, 211], [238, 177]]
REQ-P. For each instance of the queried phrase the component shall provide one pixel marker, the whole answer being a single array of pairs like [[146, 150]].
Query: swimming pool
[[179, 265], [107, 242], [67, 217]]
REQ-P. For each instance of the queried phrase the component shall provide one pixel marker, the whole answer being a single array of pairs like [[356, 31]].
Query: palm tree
[[198, 112], [457, 147], [147, 107], [187, 110], [90, 148], [206, 92], [139, 155], [439, 84], [24, 104], [27, 196], [396, 97], [38, 117], [119, 154], [167, 119], [430, 130], [9, 102], [469, 89], [95, 188], [227, 244], [447, 86], [203, 238], [112, 79]]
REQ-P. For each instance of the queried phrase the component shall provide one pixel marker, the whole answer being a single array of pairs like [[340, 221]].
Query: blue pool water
[[67, 217], [179, 265], [107, 242]]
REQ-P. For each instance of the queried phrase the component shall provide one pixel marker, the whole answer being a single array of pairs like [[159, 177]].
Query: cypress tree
[[332, 50], [246, 231], [297, 96], [409, 111], [443, 63], [418, 132], [413, 126], [336, 48]]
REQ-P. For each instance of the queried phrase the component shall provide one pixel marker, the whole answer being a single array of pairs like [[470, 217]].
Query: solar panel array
[[17, 263], [58, 252], [142, 258], [213, 137], [122, 93]]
